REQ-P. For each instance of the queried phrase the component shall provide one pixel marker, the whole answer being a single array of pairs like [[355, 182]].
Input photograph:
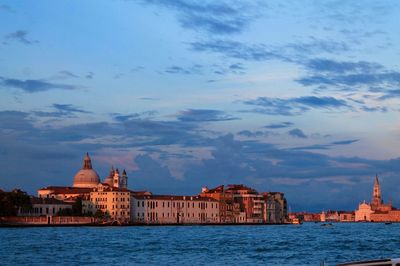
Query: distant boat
[[327, 225], [380, 262], [296, 221], [387, 223]]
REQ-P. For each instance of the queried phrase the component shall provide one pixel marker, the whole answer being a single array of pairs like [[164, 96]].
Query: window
[[138, 203], [142, 203]]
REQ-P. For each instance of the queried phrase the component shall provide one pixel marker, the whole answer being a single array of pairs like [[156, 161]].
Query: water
[[307, 244]]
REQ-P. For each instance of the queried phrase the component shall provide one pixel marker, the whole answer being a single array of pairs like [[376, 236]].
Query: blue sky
[[294, 96]]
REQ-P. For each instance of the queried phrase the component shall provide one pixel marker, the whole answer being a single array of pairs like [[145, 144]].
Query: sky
[[300, 97]]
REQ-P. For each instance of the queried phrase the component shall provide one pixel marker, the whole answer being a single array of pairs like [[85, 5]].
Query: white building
[[45, 206], [159, 209], [363, 213]]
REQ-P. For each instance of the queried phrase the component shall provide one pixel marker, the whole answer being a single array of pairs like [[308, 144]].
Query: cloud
[[20, 36], [210, 16], [298, 133], [89, 75], [345, 142], [62, 110], [327, 146], [195, 69], [290, 52], [279, 125], [34, 85], [255, 134], [390, 94], [294, 106], [126, 117], [4, 7], [165, 149], [204, 115], [326, 73]]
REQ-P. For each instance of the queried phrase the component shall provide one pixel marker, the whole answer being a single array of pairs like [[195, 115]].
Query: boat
[[378, 262], [327, 225], [296, 221], [387, 223]]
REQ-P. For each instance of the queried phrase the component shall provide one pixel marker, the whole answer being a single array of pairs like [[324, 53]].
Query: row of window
[[154, 215], [113, 199], [154, 204]]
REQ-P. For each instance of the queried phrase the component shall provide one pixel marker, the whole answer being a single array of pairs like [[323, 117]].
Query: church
[[85, 181], [377, 210]]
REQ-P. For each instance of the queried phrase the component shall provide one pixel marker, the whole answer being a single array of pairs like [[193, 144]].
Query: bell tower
[[376, 195]]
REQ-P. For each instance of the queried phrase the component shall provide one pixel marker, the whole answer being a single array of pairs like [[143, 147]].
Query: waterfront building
[[345, 216], [227, 208], [113, 201], [272, 209], [281, 201], [377, 210], [363, 213], [164, 209], [44, 206], [250, 202]]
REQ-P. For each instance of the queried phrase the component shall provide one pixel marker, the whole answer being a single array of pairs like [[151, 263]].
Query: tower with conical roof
[[124, 180], [117, 178], [376, 195], [110, 178]]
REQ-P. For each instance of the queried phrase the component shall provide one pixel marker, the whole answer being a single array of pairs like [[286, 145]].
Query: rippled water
[[306, 244]]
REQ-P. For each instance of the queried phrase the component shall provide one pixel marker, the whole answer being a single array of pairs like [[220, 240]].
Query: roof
[[67, 190], [36, 200], [174, 197]]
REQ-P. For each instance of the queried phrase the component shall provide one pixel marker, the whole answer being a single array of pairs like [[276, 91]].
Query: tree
[[11, 202], [77, 207]]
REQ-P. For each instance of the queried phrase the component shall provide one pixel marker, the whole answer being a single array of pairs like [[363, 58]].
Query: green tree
[[11, 202]]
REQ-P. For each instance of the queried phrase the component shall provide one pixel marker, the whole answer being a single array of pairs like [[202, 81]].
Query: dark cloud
[[204, 115], [62, 110], [326, 73], [345, 142], [33, 85], [4, 7], [52, 155], [298, 133], [294, 106], [89, 75], [209, 16], [279, 125], [126, 117], [195, 69], [389, 94], [65, 74], [327, 146], [255, 134], [291, 52], [20, 36], [374, 109]]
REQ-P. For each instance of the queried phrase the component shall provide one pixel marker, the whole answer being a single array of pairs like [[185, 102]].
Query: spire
[[87, 162], [376, 180], [124, 173], [112, 171]]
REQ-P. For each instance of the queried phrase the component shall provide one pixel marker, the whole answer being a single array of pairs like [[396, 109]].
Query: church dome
[[86, 177]]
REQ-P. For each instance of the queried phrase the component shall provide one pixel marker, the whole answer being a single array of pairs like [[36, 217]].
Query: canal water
[[307, 244]]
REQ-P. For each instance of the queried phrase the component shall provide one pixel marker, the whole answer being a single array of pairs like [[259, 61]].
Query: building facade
[[160, 209], [45, 207]]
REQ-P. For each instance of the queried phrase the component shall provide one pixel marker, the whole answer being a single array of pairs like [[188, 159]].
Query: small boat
[[296, 221], [387, 223], [380, 262], [327, 225]]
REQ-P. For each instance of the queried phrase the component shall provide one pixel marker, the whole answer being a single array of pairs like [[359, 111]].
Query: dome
[[86, 177]]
